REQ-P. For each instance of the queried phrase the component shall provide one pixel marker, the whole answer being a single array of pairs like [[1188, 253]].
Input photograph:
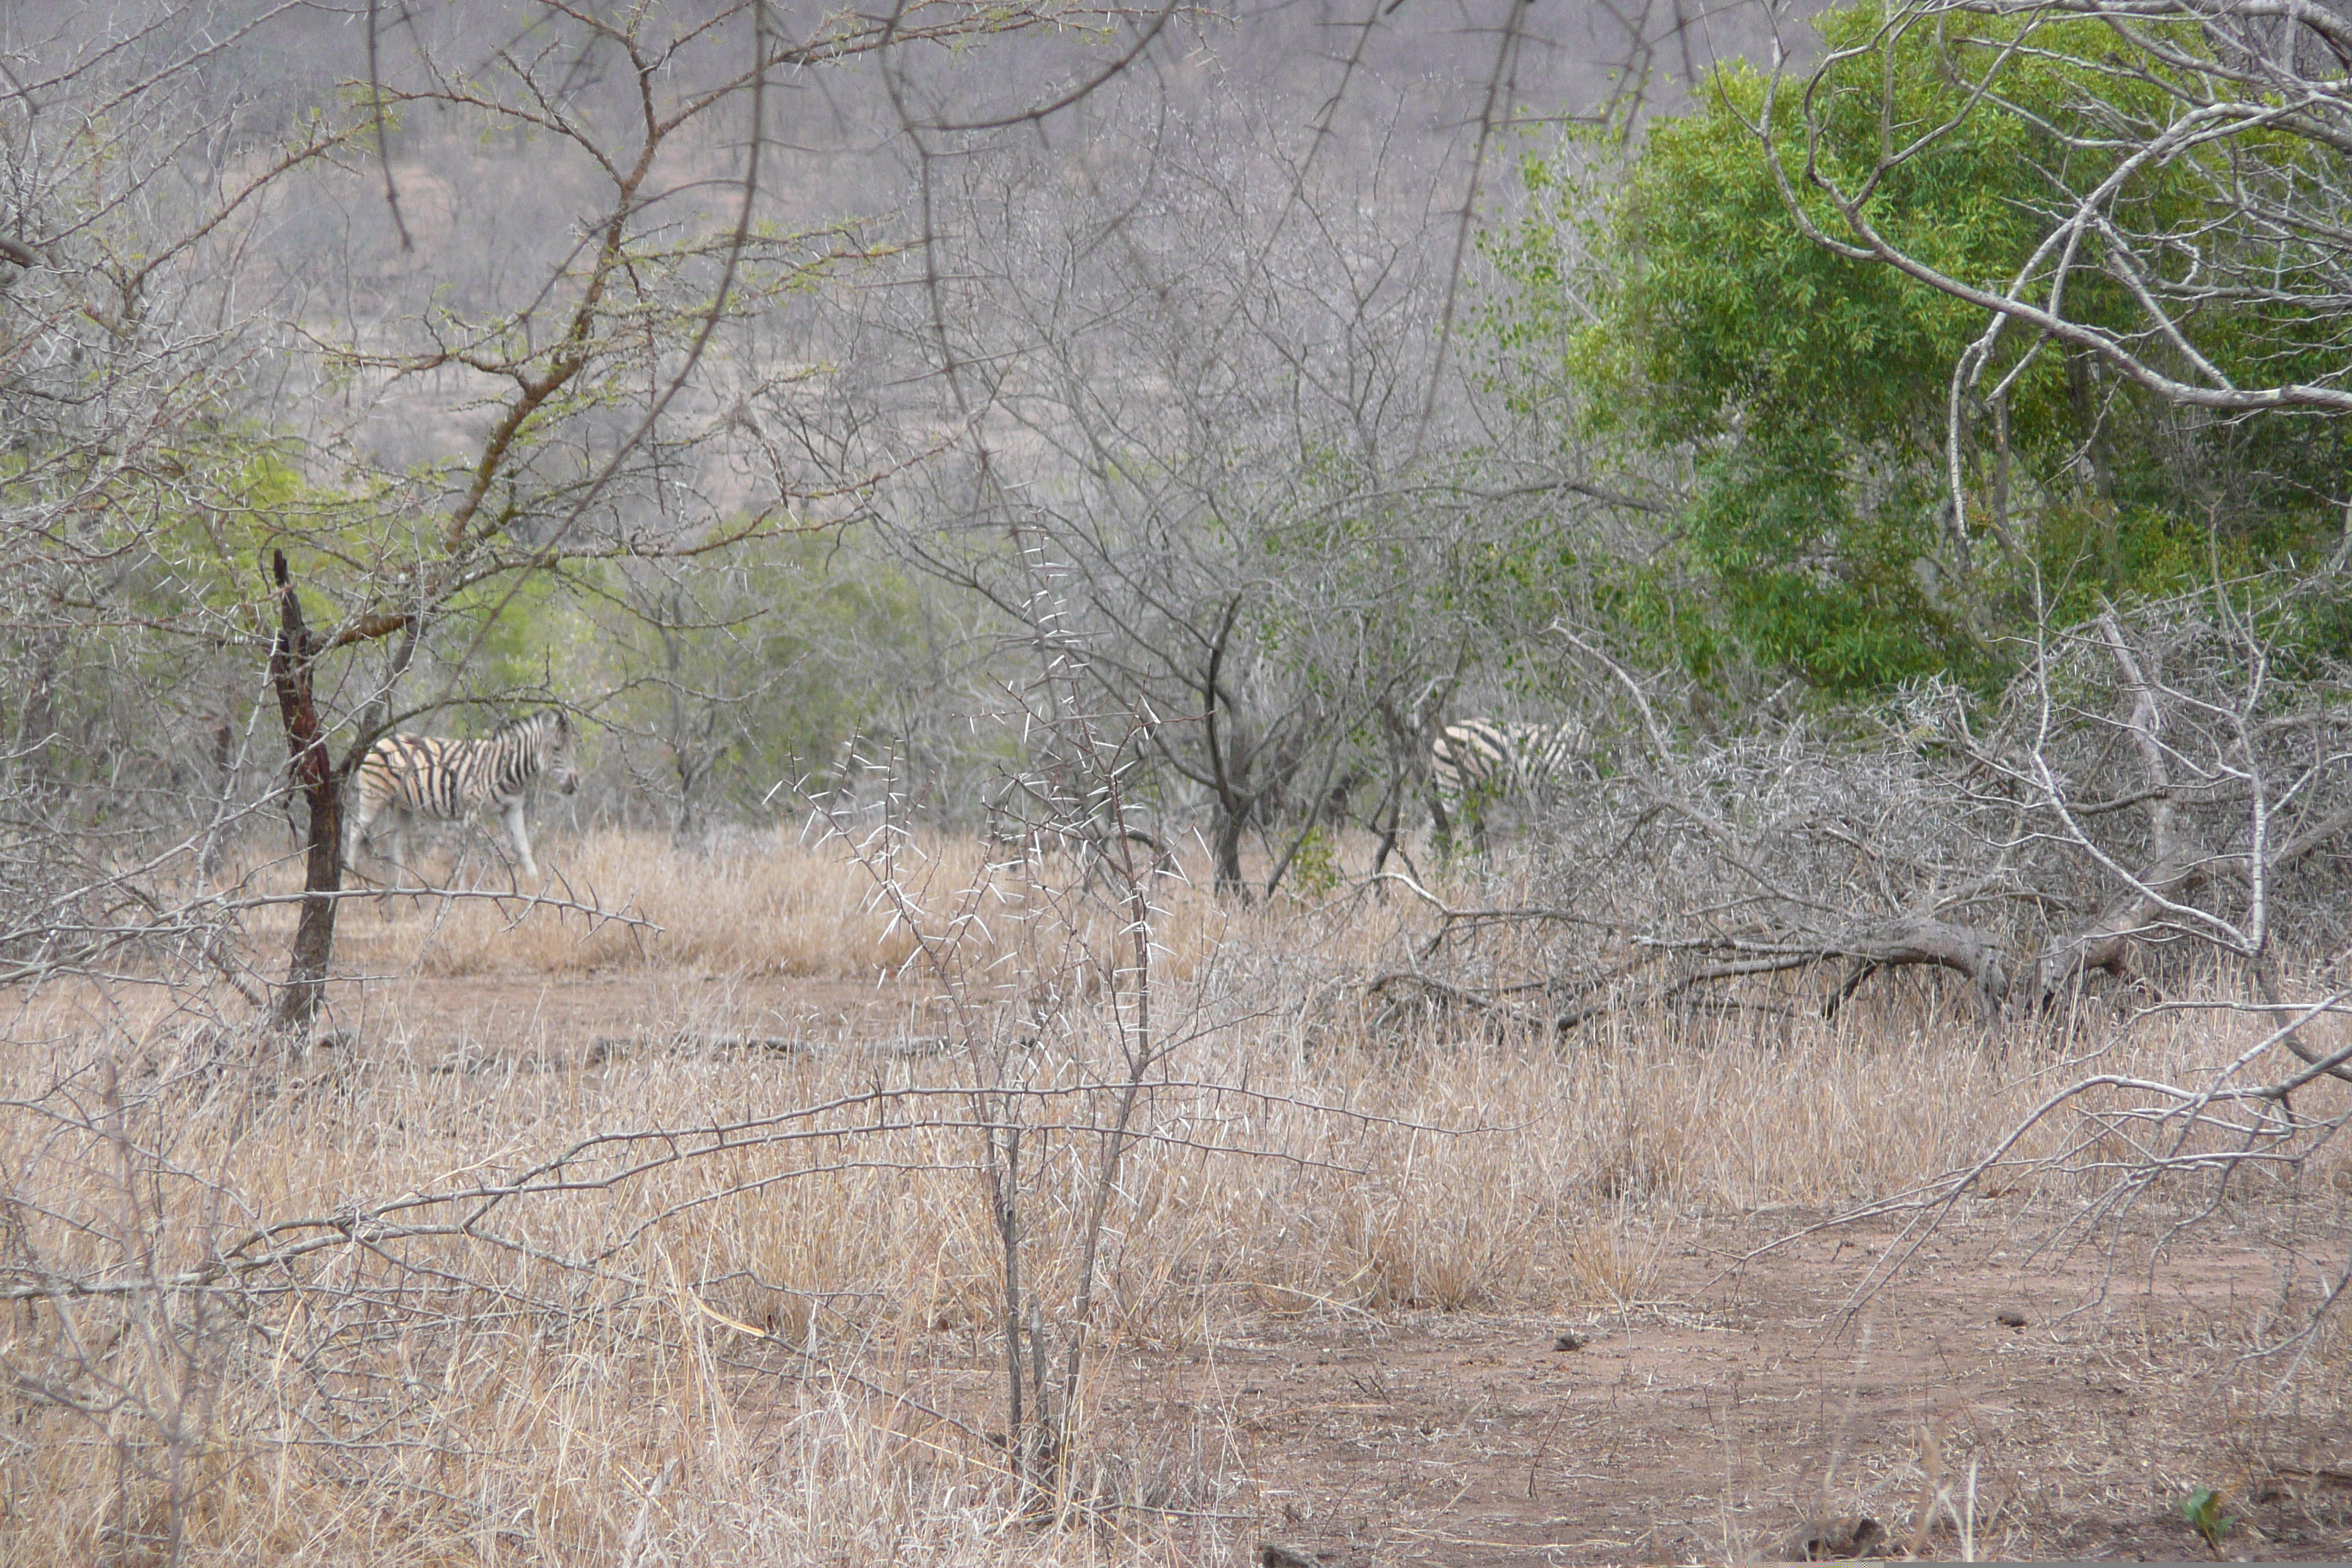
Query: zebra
[[1479, 763], [413, 775]]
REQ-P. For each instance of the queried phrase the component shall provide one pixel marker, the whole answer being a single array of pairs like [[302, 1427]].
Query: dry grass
[[702, 1353], [750, 903]]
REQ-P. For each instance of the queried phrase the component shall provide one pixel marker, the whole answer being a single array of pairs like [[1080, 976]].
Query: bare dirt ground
[[1716, 1420], [1741, 1405], [1731, 1400]]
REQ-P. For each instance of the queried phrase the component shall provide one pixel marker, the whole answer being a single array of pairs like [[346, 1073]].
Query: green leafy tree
[[1876, 490], [724, 681]]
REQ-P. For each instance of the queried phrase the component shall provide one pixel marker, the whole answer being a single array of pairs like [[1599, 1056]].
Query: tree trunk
[[1920, 938], [35, 743], [2110, 942], [313, 773], [1226, 844], [1393, 809], [224, 760]]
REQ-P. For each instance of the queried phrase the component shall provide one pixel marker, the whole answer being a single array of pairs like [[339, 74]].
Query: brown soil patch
[[1745, 1401], [1717, 1421]]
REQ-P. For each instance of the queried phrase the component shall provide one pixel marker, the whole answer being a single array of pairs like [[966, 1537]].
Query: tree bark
[[2109, 940], [1920, 938], [1226, 839], [1233, 806], [35, 743], [313, 773]]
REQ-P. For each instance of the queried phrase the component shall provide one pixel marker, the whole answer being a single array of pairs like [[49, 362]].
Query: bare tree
[[1197, 399]]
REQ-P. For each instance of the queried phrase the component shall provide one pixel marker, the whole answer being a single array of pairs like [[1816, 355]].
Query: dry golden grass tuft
[[751, 903], [779, 1344], [754, 904]]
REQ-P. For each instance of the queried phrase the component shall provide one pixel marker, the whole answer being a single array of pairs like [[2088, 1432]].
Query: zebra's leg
[[399, 848], [355, 829], [520, 840], [1441, 824]]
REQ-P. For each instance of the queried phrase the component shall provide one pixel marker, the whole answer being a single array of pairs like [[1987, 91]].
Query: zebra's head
[[561, 763]]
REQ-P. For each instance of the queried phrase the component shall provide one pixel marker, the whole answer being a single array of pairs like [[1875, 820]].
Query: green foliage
[[728, 675], [2202, 1509], [1675, 307], [1314, 870], [506, 632]]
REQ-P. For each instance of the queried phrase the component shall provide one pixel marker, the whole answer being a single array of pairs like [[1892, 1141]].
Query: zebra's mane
[[538, 718]]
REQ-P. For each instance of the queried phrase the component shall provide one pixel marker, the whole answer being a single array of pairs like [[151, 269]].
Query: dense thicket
[[782, 494]]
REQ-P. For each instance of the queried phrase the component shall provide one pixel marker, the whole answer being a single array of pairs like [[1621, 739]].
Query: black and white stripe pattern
[[429, 775], [1479, 763]]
